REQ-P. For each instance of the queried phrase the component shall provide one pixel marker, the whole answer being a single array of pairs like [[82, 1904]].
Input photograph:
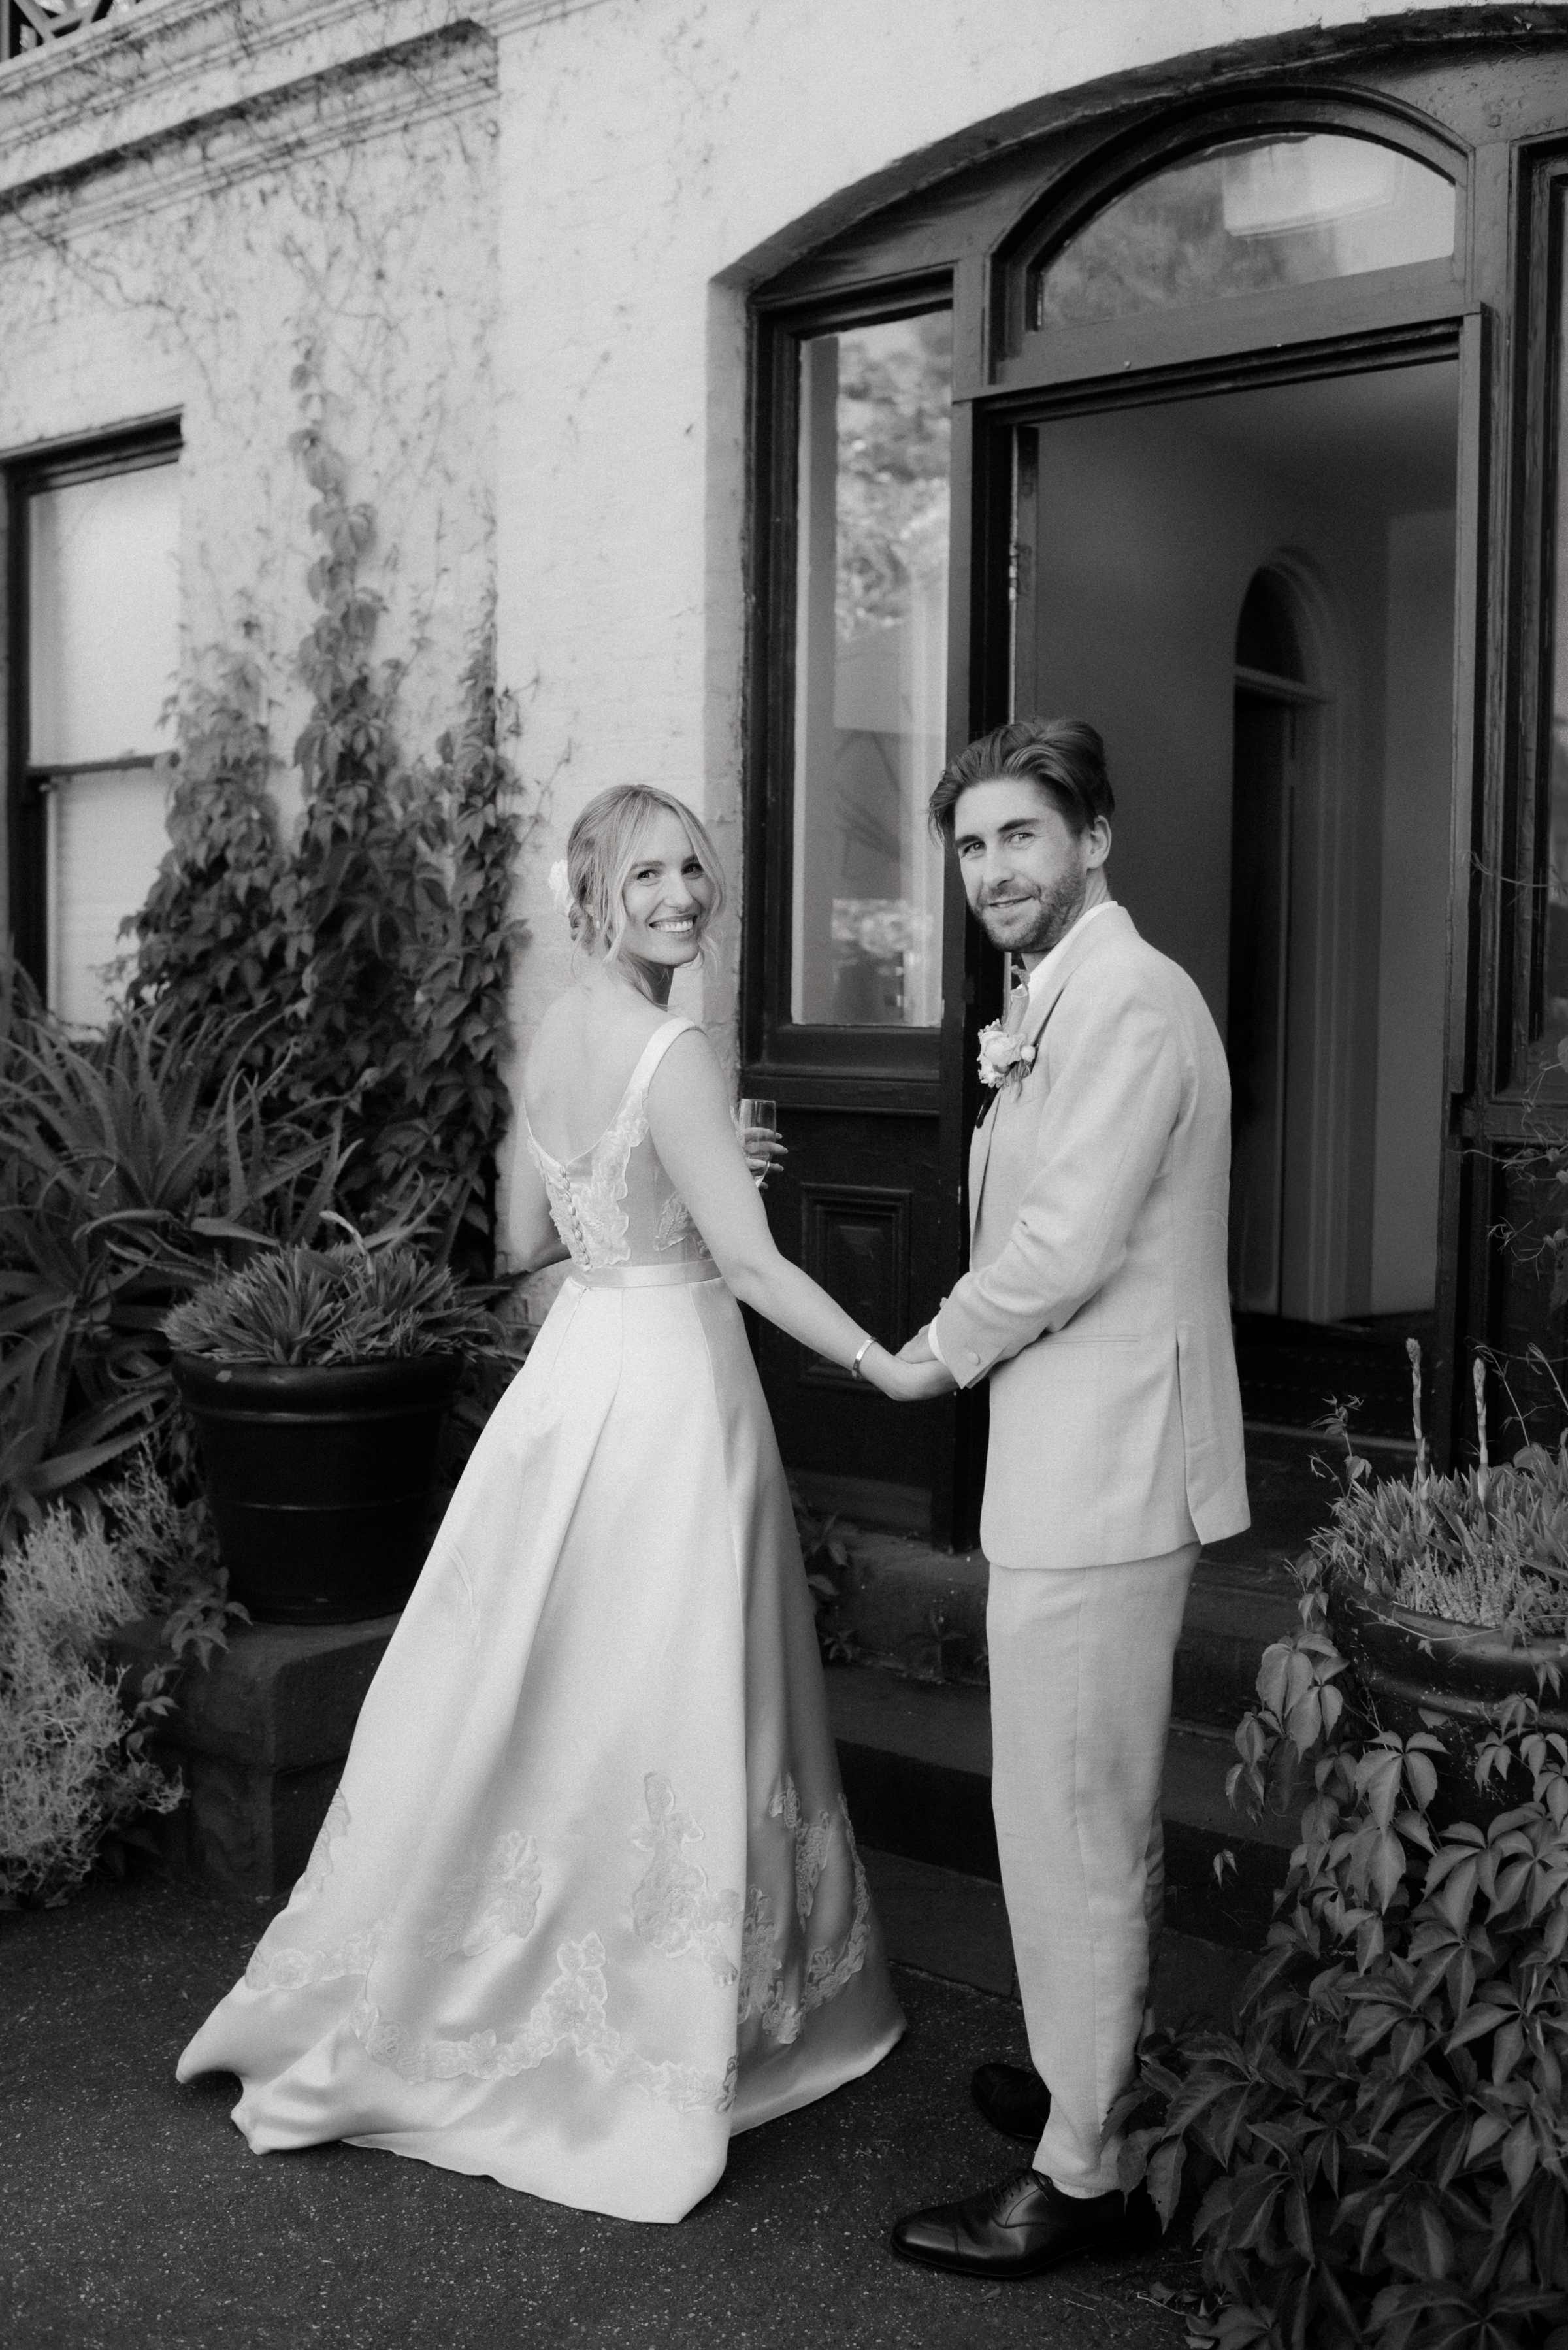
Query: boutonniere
[[1005, 1060]]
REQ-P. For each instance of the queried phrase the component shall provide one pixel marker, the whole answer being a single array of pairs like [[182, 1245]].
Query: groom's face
[[1025, 870]]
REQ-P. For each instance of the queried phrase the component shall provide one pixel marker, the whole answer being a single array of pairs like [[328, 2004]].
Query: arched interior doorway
[[1278, 743]]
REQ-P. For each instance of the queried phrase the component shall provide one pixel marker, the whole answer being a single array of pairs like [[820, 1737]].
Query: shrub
[[349, 1304], [132, 1163], [74, 1769], [1486, 1545]]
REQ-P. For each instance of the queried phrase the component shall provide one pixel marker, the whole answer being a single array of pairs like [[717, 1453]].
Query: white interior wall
[[1152, 522], [1413, 941]]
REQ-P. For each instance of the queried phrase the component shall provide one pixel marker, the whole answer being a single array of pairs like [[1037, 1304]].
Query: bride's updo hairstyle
[[601, 850]]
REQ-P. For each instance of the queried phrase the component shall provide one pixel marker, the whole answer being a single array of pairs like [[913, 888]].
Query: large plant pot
[[1412, 1666], [319, 1479]]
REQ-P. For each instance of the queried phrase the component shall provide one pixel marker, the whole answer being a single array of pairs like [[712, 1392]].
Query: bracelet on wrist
[[854, 1370]]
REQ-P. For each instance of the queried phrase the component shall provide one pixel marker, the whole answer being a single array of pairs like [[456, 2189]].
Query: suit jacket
[[1096, 1298]]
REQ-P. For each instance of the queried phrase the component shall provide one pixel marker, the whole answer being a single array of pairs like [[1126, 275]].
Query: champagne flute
[[757, 1115]]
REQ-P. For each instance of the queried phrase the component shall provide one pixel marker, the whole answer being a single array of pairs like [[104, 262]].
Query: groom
[[1097, 1306]]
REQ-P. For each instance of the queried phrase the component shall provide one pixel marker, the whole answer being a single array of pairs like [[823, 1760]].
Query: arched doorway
[[1283, 356]]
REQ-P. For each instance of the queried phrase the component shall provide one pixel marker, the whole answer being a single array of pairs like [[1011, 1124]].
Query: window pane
[[1247, 217], [103, 621], [105, 835], [870, 674]]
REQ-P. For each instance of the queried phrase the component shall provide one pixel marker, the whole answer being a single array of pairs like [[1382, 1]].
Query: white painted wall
[[357, 214]]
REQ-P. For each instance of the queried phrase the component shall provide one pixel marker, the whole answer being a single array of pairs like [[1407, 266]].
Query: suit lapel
[[1081, 942]]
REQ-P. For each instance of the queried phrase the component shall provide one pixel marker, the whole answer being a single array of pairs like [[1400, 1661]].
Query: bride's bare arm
[[689, 1118]]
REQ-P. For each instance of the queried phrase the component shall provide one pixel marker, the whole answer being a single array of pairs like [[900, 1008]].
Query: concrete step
[[955, 1926], [916, 1761], [905, 1605]]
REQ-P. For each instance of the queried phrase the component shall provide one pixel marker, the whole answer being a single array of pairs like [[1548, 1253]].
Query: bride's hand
[[905, 1382]]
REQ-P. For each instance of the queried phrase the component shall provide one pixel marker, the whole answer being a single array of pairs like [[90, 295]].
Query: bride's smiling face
[[667, 897]]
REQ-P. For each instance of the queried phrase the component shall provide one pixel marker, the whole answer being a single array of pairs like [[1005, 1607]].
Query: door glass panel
[[1245, 217], [870, 674]]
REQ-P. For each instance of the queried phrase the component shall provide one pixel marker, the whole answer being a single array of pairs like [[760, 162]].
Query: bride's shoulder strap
[[655, 1049]]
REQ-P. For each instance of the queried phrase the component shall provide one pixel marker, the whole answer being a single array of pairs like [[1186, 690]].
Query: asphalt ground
[[134, 2216]]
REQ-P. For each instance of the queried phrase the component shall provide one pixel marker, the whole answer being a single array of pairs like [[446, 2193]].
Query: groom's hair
[[1064, 755]]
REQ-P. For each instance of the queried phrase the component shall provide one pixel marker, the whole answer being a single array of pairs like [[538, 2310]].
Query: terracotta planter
[[1411, 1665], [319, 1479]]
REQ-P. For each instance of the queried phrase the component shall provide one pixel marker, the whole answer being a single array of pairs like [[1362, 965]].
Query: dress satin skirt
[[588, 1901]]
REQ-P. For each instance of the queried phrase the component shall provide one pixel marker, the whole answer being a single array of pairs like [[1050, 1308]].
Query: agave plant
[[132, 1165], [354, 1303]]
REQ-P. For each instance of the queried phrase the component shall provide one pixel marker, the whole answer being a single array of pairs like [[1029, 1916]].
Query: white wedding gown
[[588, 1901]]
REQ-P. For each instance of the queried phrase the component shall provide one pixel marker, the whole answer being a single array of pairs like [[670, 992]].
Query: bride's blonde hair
[[601, 850]]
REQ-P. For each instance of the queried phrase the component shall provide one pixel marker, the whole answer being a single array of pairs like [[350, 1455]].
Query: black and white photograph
[[784, 1174]]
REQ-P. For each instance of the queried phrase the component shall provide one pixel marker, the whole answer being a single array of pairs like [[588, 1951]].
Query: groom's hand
[[917, 1349]]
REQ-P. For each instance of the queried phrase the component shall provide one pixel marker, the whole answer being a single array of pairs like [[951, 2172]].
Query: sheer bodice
[[614, 1204]]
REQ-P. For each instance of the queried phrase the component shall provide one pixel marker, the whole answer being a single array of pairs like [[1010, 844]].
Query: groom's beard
[[1053, 913]]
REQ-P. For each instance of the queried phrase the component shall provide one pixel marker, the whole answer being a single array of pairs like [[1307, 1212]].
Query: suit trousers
[[1080, 1665]]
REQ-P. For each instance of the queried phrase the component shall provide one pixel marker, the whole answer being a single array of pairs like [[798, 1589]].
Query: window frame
[[1020, 355], [131, 449]]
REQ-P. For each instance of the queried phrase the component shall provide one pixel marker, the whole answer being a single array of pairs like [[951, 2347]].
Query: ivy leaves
[[372, 952], [1381, 2148]]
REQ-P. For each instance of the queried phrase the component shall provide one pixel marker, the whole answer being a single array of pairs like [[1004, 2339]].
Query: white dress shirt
[[1039, 980]]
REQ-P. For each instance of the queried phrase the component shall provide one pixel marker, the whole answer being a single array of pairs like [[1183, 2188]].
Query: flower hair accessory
[[1005, 1060], [560, 885]]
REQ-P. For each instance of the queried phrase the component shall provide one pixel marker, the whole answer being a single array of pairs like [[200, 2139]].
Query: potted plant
[[319, 1379], [1448, 1594], [1378, 2153]]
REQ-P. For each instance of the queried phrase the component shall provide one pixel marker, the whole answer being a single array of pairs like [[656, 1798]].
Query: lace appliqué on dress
[[827, 1971], [294, 1969], [810, 1844], [482, 1904], [571, 2014], [331, 1834], [671, 1909], [286, 1966], [587, 1209], [674, 1224]]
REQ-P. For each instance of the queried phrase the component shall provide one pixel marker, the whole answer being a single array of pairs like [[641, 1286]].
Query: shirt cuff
[[932, 1343]]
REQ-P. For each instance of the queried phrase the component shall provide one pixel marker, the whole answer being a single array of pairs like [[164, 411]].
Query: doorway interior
[[1250, 592]]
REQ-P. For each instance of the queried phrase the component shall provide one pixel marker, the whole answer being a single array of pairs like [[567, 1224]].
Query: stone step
[[955, 1926], [907, 1604], [916, 1760]]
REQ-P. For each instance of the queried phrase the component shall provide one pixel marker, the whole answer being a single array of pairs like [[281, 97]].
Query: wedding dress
[[587, 1900]]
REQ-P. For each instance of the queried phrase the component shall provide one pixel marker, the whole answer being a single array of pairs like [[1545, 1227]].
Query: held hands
[[912, 1376]]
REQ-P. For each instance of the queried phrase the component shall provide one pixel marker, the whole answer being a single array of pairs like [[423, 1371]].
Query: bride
[[588, 1901]]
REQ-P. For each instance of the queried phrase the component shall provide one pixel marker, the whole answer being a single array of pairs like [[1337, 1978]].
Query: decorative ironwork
[[27, 25]]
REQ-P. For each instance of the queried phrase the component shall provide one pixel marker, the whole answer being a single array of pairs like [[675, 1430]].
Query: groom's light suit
[[1096, 1302]]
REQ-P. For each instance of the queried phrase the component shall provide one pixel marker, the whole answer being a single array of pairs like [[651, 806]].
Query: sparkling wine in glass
[[758, 1116]]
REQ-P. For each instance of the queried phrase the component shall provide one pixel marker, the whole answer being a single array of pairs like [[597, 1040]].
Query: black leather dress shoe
[[1013, 2099], [1019, 2227]]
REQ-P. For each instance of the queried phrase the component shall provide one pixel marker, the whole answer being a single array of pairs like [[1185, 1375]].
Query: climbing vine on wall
[[373, 952]]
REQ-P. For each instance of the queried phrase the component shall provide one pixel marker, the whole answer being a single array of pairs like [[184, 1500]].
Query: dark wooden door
[[856, 1001]]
